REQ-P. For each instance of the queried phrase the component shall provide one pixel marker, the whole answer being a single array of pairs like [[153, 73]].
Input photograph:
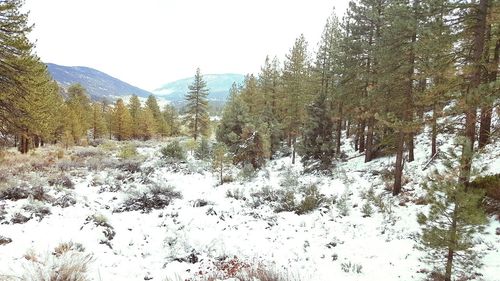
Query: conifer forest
[[372, 153]]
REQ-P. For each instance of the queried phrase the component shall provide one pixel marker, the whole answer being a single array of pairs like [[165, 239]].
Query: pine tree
[[171, 118], [235, 118], [254, 147], [134, 107], [220, 160], [98, 122], [121, 121], [269, 88], [296, 92], [146, 123], [318, 144], [454, 217], [161, 126], [80, 112], [197, 107]]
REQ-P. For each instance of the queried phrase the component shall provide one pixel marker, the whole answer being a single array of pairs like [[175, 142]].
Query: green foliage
[[367, 209], [220, 160], [203, 151], [490, 184], [254, 148], [454, 217], [197, 107], [312, 200], [128, 151], [121, 121], [173, 151], [343, 204]]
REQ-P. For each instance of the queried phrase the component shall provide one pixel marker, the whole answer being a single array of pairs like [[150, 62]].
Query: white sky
[[148, 43]]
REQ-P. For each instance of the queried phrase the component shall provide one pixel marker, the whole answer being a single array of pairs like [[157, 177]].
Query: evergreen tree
[[203, 150], [220, 160], [197, 107], [146, 124], [453, 219], [121, 121], [235, 118], [98, 122], [134, 107], [161, 126], [79, 112], [295, 81], [269, 88], [171, 118], [254, 147]]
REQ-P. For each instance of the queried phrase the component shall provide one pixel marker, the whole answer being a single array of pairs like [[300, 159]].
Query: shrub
[[61, 180], [15, 192], [367, 209], [173, 152], [265, 195], [19, 218], [154, 197], [235, 193], [86, 152], [4, 240], [128, 151], [37, 209], [64, 201], [312, 200], [343, 204], [39, 193], [69, 266], [286, 202], [290, 179], [66, 247], [130, 165], [247, 173], [351, 267]]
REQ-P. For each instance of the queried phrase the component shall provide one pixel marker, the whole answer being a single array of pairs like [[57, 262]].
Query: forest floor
[[141, 218]]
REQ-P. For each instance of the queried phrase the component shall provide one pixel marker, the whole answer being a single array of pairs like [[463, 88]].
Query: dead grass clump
[[69, 265]]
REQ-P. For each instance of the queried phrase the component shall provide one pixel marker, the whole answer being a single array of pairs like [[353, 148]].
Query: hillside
[[98, 84], [219, 85], [148, 219]]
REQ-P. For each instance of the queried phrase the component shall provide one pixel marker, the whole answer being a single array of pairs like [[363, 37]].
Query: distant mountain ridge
[[218, 85], [98, 84]]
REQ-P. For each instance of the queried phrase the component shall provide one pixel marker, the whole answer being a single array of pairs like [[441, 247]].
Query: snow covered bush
[[173, 152], [153, 197], [61, 180], [14, 191], [343, 204], [351, 267], [71, 264], [37, 209], [128, 151], [312, 200]]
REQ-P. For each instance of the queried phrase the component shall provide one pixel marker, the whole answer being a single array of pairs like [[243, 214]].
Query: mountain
[[99, 85], [218, 84]]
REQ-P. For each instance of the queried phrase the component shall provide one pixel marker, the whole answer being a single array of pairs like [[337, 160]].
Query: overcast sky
[[148, 43]]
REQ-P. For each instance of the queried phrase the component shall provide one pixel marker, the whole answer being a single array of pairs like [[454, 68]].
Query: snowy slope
[[322, 245]]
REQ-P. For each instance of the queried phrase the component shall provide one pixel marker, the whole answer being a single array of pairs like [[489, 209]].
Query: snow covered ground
[[191, 237]]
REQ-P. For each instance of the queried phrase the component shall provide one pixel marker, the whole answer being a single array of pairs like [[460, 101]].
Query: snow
[[315, 246]]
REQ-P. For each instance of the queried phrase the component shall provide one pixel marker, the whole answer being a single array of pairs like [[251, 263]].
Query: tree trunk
[[369, 140], [486, 111], [362, 136], [451, 245], [348, 128], [339, 129], [434, 130], [398, 171], [411, 147], [293, 150]]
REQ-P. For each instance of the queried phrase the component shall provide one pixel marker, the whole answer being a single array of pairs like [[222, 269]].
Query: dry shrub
[[70, 264], [66, 247]]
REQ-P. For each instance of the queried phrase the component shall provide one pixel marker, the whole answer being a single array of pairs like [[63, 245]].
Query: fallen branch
[[430, 161]]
